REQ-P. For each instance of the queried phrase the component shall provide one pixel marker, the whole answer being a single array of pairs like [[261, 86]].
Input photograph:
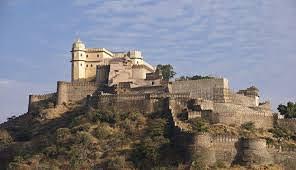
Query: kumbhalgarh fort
[[203, 117]]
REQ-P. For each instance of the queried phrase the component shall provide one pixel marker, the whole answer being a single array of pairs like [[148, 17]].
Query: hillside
[[86, 138], [74, 136]]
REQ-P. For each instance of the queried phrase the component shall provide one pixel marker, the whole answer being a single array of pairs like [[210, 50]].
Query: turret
[[78, 61], [252, 92], [136, 57]]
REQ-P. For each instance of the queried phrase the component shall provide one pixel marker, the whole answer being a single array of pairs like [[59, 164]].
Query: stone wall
[[225, 148], [37, 100], [203, 88], [233, 150], [228, 113], [144, 89], [285, 156], [241, 99], [142, 103], [74, 91], [287, 124]]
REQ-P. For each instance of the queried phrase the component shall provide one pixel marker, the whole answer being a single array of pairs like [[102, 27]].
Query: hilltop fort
[[123, 82], [104, 76]]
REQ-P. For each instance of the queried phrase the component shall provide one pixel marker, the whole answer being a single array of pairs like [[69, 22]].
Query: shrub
[[250, 126], [78, 157], [84, 138], [280, 133], [101, 132], [63, 135], [199, 125], [106, 116], [117, 162], [50, 151]]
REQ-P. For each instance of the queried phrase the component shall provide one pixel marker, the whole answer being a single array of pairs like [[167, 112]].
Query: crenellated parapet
[[38, 100], [223, 138]]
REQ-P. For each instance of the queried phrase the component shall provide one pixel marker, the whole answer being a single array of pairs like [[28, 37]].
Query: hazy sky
[[250, 42]]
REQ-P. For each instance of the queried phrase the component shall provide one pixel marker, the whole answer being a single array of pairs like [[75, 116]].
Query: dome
[[78, 44]]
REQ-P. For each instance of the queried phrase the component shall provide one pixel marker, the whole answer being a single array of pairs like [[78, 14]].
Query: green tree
[[288, 111], [166, 70]]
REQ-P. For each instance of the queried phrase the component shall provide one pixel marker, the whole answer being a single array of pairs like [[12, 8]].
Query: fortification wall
[[142, 103], [236, 114], [241, 99], [285, 156], [35, 100], [74, 91], [287, 124], [145, 90], [225, 148], [203, 88]]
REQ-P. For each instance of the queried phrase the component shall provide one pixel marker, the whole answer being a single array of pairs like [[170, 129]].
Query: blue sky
[[249, 42]]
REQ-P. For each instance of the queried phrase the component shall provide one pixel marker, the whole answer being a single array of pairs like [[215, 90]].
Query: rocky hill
[[75, 136]]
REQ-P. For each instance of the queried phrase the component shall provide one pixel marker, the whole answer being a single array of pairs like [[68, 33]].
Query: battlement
[[77, 83], [279, 148], [35, 100], [42, 96], [289, 124], [224, 139]]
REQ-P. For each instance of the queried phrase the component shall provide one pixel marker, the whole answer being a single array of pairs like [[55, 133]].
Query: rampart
[[215, 89], [241, 99], [199, 88], [234, 150], [228, 113], [287, 124], [74, 91], [36, 100], [145, 89]]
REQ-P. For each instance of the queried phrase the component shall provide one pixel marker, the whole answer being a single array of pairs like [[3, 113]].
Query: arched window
[[86, 65], [91, 65], [98, 55], [86, 56]]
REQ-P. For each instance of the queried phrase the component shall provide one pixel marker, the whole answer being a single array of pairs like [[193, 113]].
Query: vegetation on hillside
[[90, 139]]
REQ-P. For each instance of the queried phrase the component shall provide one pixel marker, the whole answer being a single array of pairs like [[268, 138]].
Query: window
[[86, 65], [98, 55], [91, 65], [86, 56], [80, 54], [81, 65], [152, 82]]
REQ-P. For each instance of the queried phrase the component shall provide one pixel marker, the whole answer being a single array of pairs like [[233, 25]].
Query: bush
[[63, 135], [50, 151], [148, 152], [280, 133], [199, 125], [78, 157], [118, 162], [101, 132], [84, 138], [106, 116], [250, 126]]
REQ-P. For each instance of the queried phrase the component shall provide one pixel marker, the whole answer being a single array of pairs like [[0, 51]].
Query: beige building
[[101, 65]]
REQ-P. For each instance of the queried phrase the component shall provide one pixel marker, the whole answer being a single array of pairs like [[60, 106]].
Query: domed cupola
[[78, 45]]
